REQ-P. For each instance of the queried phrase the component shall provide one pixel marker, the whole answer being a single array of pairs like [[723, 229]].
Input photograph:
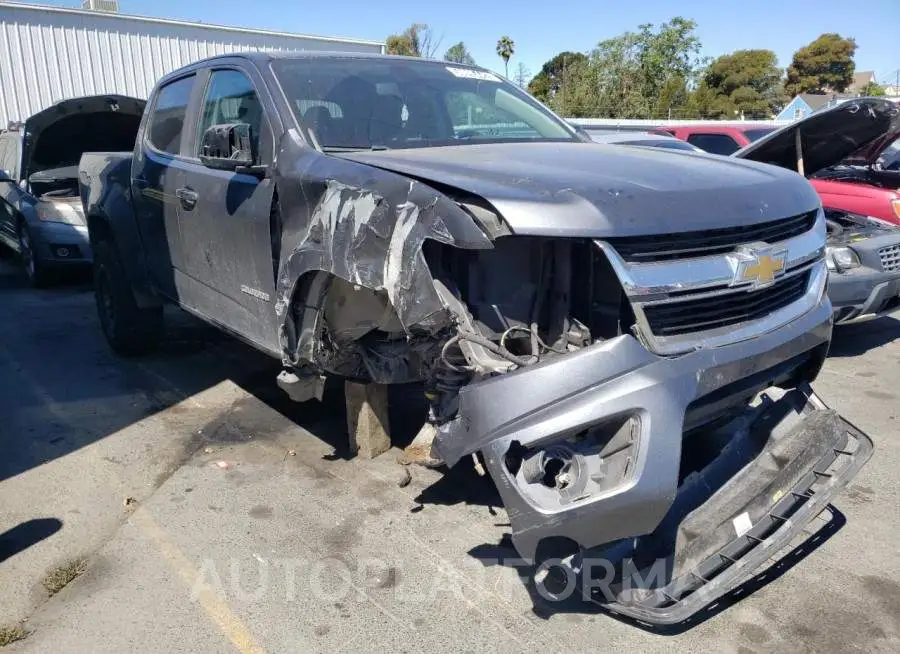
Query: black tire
[[39, 274], [129, 329]]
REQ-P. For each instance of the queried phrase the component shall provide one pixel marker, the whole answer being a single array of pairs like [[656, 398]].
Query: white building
[[48, 54]]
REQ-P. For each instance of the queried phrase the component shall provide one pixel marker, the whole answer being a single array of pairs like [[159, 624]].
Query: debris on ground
[[62, 576], [12, 634], [222, 464], [292, 452], [208, 450], [129, 501], [405, 478]]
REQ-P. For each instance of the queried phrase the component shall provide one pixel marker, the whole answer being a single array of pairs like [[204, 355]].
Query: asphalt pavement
[[213, 515]]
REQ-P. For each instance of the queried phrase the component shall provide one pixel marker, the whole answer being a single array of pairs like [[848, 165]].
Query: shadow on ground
[[25, 534], [858, 338], [594, 601], [62, 388]]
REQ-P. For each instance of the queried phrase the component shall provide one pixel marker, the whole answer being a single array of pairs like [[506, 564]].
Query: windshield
[[890, 158], [395, 103], [758, 133]]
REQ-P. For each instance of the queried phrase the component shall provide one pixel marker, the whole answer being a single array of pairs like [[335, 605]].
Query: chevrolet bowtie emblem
[[759, 266]]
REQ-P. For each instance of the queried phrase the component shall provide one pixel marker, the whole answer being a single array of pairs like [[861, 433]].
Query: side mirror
[[5, 176], [582, 133], [228, 147]]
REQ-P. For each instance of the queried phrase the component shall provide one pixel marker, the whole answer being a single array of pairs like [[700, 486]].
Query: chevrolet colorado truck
[[625, 337]]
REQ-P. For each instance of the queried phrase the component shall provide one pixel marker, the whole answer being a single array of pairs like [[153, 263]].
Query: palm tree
[[505, 48]]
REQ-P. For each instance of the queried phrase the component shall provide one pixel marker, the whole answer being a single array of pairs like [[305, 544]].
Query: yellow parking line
[[216, 608]]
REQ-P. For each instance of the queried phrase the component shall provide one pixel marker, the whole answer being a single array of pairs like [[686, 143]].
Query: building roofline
[[183, 23]]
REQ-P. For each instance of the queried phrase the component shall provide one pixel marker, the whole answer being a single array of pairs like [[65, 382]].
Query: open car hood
[[861, 128], [57, 136]]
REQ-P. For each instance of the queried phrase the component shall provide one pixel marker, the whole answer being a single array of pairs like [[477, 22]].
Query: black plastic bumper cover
[[736, 562]]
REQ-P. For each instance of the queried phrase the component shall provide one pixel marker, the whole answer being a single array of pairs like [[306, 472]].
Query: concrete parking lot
[[210, 514]]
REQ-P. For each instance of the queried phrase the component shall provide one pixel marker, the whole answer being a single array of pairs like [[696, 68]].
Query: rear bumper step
[[786, 515]]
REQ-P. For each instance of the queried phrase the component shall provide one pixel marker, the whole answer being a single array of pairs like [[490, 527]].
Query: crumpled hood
[[859, 129], [591, 190]]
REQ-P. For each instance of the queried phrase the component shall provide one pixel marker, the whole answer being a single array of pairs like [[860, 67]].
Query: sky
[[543, 28]]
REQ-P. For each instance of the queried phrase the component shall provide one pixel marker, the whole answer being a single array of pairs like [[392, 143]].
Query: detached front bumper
[[61, 243], [808, 458], [621, 415]]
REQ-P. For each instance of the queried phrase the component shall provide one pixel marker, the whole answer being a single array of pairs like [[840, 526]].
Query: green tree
[[750, 79], [644, 74], [579, 97], [825, 65], [553, 75], [417, 40], [872, 90], [459, 54], [704, 102], [671, 51], [672, 99], [506, 47]]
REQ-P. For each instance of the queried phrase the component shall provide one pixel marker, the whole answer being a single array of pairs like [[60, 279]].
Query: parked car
[[863, 253], [588, 320], [722, 139], [643, 139], [867, 182], [40, 212]]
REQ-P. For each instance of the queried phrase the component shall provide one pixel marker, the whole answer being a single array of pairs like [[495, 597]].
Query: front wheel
[[129, 329], [38, 273]]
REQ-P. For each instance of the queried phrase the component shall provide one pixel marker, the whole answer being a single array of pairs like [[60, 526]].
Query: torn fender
[[365, 226]]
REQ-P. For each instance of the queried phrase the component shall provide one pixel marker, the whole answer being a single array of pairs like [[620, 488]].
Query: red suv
[[866, 183]]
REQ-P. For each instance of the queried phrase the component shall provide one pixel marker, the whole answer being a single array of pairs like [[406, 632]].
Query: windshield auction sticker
[[468, 73]]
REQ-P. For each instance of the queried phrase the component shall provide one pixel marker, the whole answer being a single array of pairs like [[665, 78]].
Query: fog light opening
[[556, 473], [553, 468]]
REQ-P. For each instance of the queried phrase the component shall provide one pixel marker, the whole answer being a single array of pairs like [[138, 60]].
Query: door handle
[[188, 197]]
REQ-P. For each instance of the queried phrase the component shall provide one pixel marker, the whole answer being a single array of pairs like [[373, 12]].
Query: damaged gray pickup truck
[[597, 323]]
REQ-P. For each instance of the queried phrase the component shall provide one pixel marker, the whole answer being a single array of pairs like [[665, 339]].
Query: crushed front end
[[590, 374]]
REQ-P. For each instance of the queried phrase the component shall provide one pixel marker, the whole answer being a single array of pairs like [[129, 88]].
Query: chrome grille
[[665, 247], [890, 258], [724, 309], [691, 298]]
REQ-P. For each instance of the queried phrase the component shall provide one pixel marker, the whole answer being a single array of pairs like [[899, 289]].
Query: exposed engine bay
[[525, 301], [848, 227], [888, 179]]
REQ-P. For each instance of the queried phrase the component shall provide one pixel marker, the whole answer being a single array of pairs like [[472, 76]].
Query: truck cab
[[593, 323]]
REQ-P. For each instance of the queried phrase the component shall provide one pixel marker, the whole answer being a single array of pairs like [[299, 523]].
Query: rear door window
[[714, 143], [167, 121]]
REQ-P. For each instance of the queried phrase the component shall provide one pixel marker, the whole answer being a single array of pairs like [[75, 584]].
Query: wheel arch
[[124, 237]]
